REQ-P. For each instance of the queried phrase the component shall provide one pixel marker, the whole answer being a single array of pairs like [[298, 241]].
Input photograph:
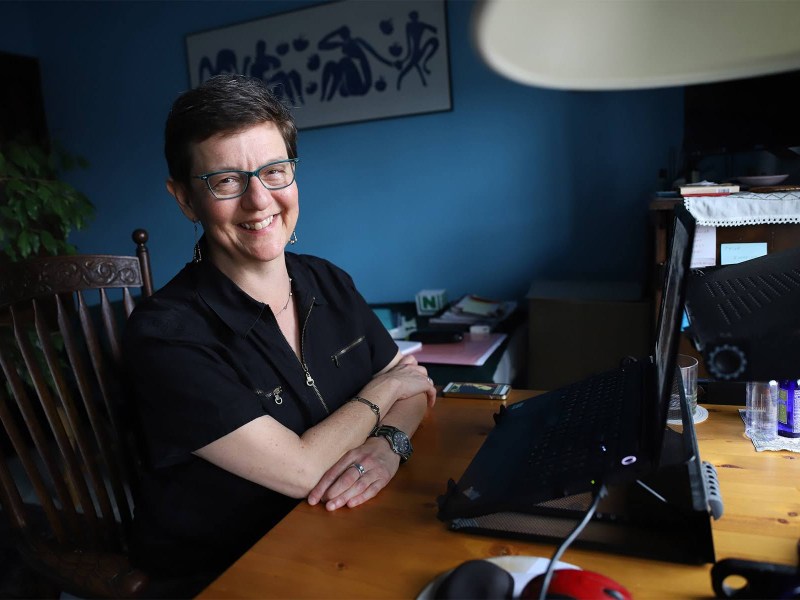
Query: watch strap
[[388, 432]]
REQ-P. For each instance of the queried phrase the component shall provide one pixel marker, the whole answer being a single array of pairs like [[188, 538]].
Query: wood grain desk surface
[[393, 546]]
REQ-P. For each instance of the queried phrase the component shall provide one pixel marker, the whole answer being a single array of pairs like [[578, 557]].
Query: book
[[707, 188], [477, 305], [473, 350]]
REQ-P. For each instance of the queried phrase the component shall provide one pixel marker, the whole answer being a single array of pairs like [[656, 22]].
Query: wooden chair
[[67, 461]]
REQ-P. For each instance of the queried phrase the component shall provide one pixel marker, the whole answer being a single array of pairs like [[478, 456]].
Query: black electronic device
[[537, 471], [761, 579], [744, 317], [435, 336]]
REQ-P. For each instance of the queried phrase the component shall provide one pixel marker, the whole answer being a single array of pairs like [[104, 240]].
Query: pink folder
[[473, 350]]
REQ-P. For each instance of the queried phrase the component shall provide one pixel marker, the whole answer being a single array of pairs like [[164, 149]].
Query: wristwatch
[[398, 441]]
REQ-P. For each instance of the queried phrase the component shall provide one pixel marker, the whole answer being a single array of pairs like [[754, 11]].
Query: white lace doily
[[700, 415], [745, 208], [776, 443]]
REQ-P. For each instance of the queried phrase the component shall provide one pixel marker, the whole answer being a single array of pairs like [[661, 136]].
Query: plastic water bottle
[[761, 413]]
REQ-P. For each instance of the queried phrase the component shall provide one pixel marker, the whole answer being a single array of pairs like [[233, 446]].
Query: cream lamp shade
[[636, 44]]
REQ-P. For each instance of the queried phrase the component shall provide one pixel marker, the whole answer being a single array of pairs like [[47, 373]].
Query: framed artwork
[[341, 62]]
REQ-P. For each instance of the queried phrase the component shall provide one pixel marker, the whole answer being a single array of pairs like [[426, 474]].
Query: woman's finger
[[340, 493], [336, 479]]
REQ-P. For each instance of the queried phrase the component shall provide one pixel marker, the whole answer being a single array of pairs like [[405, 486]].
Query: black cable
[[548, 574]]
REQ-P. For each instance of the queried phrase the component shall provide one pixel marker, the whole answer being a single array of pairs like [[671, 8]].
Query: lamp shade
[[636, 44]]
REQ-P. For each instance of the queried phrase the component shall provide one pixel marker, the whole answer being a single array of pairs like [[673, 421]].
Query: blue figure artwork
[[226, 63], [287, 84], [418, 53], [350, 75], [340, 62], [262, 63]]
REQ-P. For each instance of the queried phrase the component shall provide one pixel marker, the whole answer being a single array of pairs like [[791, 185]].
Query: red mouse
[[577, 585]]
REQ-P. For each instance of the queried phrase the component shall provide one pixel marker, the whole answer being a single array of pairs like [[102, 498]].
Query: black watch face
[[401, 442]]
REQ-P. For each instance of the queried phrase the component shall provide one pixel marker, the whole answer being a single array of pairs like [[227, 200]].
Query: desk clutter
[[464, 332], [471, 312]]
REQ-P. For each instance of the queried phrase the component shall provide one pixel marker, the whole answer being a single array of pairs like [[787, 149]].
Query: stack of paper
[[475, 305], [471, 310], [407, 347]]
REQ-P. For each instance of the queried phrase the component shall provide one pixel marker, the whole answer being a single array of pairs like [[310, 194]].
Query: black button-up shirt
[[203, 358]]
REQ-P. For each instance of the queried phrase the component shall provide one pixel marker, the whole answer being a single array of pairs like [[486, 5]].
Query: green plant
[[37, 209]]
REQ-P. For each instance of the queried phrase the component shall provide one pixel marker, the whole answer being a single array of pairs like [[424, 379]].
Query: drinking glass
[[761, 412], [688, 366]]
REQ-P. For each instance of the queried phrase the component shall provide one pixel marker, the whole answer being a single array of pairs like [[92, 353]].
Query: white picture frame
[[341, 62]]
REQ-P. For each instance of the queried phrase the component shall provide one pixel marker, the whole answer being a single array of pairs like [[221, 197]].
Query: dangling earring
[[293, 238], [197, 255]]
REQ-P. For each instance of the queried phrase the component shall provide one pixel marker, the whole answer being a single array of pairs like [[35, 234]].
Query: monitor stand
[[663, 516]]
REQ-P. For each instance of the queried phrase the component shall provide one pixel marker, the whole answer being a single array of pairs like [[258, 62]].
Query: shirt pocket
[[346, 354]]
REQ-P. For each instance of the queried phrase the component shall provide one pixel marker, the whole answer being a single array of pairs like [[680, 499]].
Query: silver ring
[[430, 380], [360, 468]]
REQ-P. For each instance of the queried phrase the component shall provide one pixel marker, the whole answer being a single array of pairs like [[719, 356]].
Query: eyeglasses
[[232, 184]]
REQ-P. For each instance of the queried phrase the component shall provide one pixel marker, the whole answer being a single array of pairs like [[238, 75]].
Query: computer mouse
[[576, 584], [476, 579]]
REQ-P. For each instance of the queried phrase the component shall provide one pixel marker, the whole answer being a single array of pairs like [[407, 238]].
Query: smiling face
[[242, 233]]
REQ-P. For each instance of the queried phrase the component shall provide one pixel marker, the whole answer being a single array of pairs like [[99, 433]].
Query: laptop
[[603, 430]]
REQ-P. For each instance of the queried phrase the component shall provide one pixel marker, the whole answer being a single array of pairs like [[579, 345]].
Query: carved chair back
[[67, 460]]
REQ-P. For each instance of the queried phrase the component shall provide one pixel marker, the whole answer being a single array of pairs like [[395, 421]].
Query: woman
[[260, 376]]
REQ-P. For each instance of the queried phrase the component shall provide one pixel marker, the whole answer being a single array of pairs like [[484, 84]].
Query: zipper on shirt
[[309, 380], [274, 394], [346, 349]]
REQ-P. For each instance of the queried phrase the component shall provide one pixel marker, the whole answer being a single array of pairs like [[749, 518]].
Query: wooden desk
[[394, 545]]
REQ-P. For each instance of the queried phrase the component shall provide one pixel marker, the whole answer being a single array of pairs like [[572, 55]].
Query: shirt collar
[[238, 310]]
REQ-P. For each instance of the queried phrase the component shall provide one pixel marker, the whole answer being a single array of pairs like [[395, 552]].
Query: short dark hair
[[225, 103]]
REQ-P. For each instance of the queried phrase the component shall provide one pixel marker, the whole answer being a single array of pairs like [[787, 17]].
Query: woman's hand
[[345, 485], [408, 376]]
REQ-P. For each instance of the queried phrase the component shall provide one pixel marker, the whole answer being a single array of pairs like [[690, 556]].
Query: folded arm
[[267, 453], [343, 485]]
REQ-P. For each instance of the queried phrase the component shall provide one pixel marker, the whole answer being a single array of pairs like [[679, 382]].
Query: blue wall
[[515, 183], [16, 29]]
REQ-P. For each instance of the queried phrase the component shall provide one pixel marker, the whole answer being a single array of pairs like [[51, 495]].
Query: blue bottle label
[[789, 408]]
